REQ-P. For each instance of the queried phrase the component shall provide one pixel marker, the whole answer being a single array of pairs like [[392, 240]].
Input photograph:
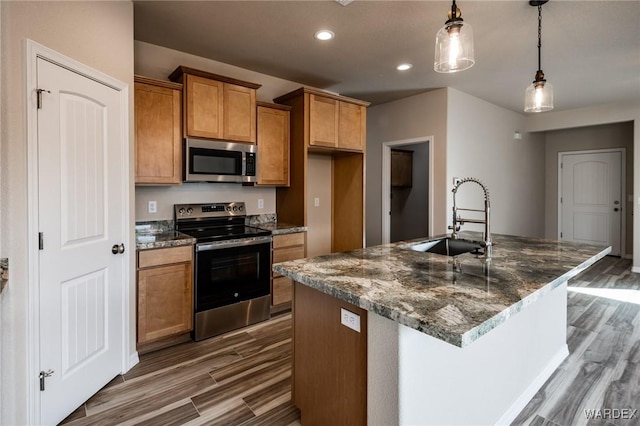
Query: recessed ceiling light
[[324, 35], [404, 67]]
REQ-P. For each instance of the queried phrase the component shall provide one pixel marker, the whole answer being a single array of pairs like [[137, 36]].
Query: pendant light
[[454, 44], [539, 96]]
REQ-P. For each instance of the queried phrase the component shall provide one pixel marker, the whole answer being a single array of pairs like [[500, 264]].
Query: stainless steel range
[[232, 261]]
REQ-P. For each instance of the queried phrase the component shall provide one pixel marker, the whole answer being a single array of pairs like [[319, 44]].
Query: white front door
[[80, 186], [591, 198]]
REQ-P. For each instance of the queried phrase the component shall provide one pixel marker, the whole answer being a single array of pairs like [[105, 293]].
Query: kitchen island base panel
[[418, 379], [329, 360]]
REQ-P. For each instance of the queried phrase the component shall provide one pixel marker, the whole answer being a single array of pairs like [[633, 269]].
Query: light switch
[[316, 202]]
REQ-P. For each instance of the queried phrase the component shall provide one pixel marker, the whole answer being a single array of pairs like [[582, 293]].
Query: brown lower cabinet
[[165, 295], [285, 247], [329, 360]]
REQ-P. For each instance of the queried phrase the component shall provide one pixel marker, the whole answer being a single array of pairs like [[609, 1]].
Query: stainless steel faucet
[[458, 221]]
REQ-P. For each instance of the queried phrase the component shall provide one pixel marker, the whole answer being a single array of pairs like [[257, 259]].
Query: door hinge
[[43, 375], [561, 235], [39, 97], [40, 241], [561, 200], [561, 165]]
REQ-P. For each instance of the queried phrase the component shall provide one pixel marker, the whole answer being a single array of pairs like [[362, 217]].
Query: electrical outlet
[[260, 203], [152, 207], [349, 319], [316, 202]]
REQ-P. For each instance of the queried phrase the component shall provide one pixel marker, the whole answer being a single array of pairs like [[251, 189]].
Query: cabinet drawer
[[286, 240], [164, 256], [291, 253], [282, 290]]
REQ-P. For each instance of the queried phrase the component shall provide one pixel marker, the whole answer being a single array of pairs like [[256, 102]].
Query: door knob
[[117, 248]]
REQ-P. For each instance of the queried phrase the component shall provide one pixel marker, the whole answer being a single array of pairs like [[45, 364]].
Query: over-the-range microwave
[[219, 161]]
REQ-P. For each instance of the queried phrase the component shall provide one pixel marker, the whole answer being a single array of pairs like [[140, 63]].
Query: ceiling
[[590, 49]]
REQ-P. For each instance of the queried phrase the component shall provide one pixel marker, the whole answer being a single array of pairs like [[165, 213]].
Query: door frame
[[623, 189], [386, 183], [33, 51]]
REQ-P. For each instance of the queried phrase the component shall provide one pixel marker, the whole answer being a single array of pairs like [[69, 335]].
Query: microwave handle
[[244, 164]]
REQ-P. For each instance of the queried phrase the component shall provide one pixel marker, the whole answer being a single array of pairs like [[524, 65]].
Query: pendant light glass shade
[[538, 97], [454, 45]]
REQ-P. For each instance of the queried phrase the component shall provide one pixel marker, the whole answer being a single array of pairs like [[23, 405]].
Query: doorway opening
[[406, 206]]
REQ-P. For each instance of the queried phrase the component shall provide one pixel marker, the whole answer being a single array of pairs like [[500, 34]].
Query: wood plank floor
[[602, 370], [240, 378], [244, 377]]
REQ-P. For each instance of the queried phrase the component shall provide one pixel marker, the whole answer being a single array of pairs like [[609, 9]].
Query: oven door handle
[[218, 245]]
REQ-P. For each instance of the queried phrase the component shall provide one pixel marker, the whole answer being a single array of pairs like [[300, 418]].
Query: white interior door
[[591, 198], [80, 182]]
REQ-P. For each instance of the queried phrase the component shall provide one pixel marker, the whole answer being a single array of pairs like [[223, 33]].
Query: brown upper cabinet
[[217, 107], [401, 168], [335, 122], [158, 141], [273, 144], [334, 126]]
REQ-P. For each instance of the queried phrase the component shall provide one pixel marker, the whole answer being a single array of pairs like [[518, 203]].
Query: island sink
[[447, 246]]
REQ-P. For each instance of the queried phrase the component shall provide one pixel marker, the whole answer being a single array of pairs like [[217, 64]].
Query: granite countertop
[[153, 235], [280, 228], [456, 300], [146, 241]]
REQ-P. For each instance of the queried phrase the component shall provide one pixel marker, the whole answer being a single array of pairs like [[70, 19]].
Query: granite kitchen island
[[431, 339]]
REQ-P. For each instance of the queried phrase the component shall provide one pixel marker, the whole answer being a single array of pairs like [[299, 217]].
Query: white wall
[[418, 116], [319, 177], [100, 35], [2, 219], [473, 138], [615, 135], [595, 115], [158, 62], [167, 196], [481, 144]]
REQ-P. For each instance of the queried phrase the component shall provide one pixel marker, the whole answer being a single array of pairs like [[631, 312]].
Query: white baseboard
[[635, 269], [133, 360], [526, 396]]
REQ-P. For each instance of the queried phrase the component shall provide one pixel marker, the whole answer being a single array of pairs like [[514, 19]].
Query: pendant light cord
[[539, 35]]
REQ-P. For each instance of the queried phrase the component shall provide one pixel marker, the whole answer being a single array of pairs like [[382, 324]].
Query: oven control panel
[[194, 211]]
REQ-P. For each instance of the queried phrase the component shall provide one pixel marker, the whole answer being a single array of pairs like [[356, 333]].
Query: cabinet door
[[239, 106], [203, 107], [401, 168], [273, 146], [352, 127], [165, 301], [157, 134], [323, 121]]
